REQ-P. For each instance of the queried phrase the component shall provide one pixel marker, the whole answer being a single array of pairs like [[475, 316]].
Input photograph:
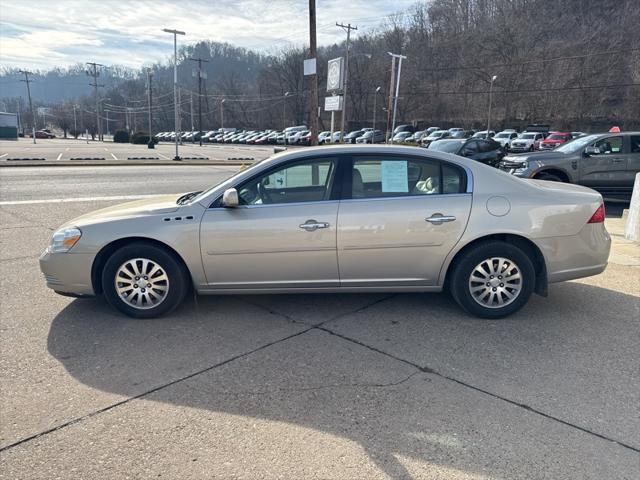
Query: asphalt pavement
[[302, 386]]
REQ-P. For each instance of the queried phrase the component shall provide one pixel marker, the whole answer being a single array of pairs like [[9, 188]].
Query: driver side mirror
[[230, 198], [591, 151]]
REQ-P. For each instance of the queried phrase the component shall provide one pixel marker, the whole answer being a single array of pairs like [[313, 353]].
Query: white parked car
[[527, 142], [505, 138]]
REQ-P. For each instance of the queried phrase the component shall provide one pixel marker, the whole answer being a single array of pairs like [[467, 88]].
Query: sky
[[43, 34]]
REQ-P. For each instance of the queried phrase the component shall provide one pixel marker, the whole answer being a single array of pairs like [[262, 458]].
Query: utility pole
[[191, 103], [393, 72], [395, 102], [348, 28], [175, 82], [201, 75], [150, 89], [33, 118], [284, 111], [313, 91], [95, 74]]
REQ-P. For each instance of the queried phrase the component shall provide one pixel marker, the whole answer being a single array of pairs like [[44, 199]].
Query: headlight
[[64, 239]]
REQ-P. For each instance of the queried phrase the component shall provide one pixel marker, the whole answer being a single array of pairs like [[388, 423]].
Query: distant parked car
[[483, 134], [403, 128], [416, 137], [485, 151], [324, 137], [400, 137], [433, 136], [351, 137], [505, 138], [527, 141], [555, 140], [372, 136]]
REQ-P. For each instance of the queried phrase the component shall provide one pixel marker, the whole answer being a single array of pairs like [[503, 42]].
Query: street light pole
[[175, 83], [395, 100], [222, 114], [493, 79], [348, 28], [284, 110], [75, 124], [375, 98]]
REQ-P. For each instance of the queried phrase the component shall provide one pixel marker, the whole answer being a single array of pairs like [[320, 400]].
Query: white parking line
[[163, 156], [114, 157], [78, 199], [59, 157], [4, 155]]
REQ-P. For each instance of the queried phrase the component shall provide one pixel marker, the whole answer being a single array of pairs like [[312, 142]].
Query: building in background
[[8, 126]]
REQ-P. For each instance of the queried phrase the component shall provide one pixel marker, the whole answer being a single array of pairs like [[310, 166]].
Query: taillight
[[598, 216]]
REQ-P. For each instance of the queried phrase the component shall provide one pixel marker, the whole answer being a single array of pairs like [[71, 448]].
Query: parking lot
[[61, 150], [310, 386]]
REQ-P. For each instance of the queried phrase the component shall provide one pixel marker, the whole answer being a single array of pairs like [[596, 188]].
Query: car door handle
[[617, 160], [313, 225], [439, 219]]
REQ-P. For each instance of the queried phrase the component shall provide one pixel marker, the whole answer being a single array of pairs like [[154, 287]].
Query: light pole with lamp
[[222, 114], [395, 100], [493, 79], [175, 34], [284, 110], [375, 98]]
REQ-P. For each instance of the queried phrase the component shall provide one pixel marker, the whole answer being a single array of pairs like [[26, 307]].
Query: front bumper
[[68, 273]]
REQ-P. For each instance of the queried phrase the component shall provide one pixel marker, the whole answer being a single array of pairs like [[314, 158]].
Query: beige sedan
[[338, 219]]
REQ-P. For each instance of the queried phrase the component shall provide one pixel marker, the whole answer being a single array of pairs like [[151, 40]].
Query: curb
[[116, 163]]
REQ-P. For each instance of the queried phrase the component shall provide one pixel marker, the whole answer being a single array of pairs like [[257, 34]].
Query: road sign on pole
[[335, 74], [333, 103]]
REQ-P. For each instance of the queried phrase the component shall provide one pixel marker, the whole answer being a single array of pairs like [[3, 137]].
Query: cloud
[[42, 34]]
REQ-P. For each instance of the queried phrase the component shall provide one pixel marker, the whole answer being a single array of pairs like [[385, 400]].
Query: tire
[[549, 177], [465, 276], [162, 297]]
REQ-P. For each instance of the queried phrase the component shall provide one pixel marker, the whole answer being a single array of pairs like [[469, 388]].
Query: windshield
[[557, 137], [576, 144], [227, 180], [528, 136], [448, 146], [503, 135]]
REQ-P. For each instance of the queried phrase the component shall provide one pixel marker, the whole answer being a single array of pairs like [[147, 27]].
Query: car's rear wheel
[[492, 280], [143, 280]]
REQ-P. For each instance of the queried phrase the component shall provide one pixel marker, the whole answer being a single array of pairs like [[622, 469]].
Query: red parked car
[[554, 140]]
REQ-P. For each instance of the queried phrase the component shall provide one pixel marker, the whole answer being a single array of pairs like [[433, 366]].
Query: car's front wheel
[[143, 280], [492, 280]]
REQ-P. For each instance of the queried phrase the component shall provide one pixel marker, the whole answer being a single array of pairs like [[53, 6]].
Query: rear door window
[[378, 177]]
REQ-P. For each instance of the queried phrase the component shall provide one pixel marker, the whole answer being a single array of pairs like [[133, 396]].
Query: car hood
[[536, 156], [156, 205]]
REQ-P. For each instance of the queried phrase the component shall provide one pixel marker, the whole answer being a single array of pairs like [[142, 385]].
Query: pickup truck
[[606, 162]]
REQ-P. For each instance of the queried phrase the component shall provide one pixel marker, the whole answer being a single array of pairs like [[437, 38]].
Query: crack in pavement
[[320, 327], [481, 390], [181, 379]]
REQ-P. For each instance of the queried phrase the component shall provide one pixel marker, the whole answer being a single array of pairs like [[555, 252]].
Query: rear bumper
[[576, 256], [68, 273]]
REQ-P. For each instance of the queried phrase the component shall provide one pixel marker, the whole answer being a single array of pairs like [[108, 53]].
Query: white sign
[[394, 176], [333, 103], [310, 66], [335, 74]]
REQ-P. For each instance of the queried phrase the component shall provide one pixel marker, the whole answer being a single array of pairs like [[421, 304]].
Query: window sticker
[[394, 176]]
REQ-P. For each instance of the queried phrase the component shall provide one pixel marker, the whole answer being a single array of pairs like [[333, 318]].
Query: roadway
[[309, 386]]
